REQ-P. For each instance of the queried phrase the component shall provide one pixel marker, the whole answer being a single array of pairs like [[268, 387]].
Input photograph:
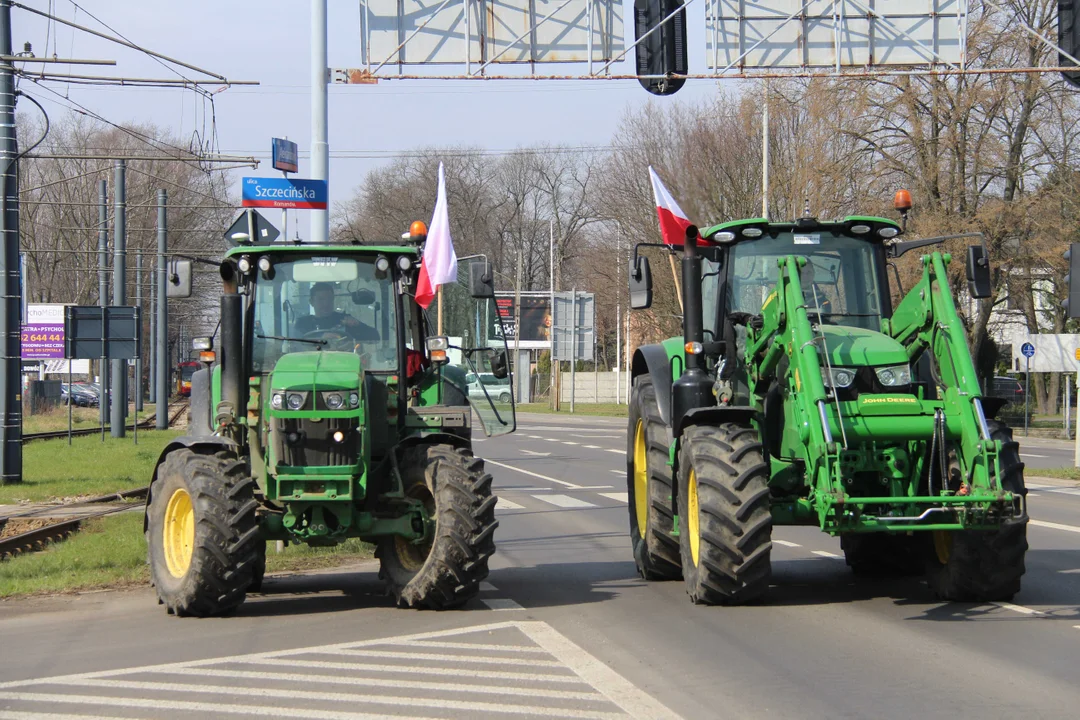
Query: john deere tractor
[[332, 409], [798, 395]]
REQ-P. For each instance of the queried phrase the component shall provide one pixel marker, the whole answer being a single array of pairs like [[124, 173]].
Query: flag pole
[[675, 274], [440, 310]]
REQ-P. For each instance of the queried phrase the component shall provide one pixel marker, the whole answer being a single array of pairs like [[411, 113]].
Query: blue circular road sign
[[1028, 350]]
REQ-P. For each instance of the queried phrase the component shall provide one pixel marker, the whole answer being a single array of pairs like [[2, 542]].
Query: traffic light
[[664, 51], [1071, 303], [1068, 38]]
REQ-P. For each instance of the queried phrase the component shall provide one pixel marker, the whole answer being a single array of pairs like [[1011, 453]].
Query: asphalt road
[[565, 628]]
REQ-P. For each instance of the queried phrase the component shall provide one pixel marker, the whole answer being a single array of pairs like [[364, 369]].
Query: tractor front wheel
[[984, 565], [649, 487], [725, 524], [445, 571], [202, 534]]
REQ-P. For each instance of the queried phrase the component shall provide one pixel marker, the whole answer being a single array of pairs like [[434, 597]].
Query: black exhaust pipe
[[232, 353], [693, 389]]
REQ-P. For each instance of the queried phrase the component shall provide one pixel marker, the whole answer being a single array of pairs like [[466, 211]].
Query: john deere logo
[[872, 401]]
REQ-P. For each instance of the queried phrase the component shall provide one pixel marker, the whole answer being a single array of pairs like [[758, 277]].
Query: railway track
[[176, 410], [38, 538]]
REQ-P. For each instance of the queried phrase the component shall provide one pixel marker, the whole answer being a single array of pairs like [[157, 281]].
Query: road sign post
[[1029, 352]]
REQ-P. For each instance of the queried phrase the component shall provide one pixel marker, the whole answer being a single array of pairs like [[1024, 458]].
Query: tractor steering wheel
[[336, 337]]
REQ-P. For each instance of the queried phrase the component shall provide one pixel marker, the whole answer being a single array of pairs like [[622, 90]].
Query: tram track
[[176, 410]]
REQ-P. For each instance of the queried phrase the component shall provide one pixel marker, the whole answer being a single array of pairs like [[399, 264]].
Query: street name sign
[[289, 193]]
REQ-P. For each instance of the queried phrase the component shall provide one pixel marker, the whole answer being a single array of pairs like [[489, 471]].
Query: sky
[[269, 41]]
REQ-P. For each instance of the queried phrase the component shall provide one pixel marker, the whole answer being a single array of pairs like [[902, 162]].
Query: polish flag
[[673, 221], [439, 265]]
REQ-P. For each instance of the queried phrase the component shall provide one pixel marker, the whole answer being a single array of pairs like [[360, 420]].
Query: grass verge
[[1064, 473], [81, 418], [53, 469], [110, 553], [601, 409]]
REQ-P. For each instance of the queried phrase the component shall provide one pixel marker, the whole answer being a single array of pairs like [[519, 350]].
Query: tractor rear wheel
[[882, 554], [725, 524], [445, 571], [984, 565], [202, 533], [649, 488]]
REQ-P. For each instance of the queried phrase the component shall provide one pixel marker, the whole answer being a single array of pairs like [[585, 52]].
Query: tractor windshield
[[840, 279], [325, 303]]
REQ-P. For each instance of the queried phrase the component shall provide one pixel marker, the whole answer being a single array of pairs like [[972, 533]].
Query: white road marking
[[530, 472], [826, 554], [16, 715], [389, 682], [534, 437], [621, 497], [564, 501], [1017, 608], [618, 472], [501, 604], [335, 697], [618, 689], [1054, 526], [445, 657], [592, 447], [1027, 454], [488, 587], [1031, 495], [1075, 571], [504, 504], [552, 439], [620, 452], [787, 543], [569, 442], [475, 646], [533, 452], [415, 669]]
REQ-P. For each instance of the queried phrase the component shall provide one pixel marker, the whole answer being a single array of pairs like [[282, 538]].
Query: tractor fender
[[433, 438], [652, 359], [210, 443], [717, 415]]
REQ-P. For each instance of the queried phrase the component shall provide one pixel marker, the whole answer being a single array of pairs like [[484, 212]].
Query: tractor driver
[[327, 318], [812, 293]]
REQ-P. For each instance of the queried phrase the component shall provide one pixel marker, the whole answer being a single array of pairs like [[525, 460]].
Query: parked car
[[80, 396], [498, 389], [1008, 388]]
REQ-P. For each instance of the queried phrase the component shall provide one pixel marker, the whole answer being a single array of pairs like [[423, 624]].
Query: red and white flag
[[673, 221], [439, 265]]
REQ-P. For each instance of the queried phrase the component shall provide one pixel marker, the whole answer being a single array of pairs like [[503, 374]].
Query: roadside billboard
[[535, 322], [43, 332]]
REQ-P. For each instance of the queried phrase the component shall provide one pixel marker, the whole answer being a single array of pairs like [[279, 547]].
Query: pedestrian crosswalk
[[512, 500], [507, 669]]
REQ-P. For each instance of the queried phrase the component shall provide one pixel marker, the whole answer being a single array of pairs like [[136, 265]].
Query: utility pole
[[320, 145], [517, 330], [103, 296], [119, 367], [765, 152], [10, 276], [151, 368], [138, 342], [161, 375]]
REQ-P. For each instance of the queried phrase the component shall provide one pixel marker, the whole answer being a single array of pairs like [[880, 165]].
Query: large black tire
[[445, 572], [725, 524], [202, 533], [883, 554], [652, 515], [984, 566], [258, 574]]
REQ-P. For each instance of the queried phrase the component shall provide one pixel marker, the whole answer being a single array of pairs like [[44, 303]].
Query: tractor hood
[[857, 347], [317, 371]]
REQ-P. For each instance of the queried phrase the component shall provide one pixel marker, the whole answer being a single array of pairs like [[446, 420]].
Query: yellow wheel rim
[[178, 533], [943, 545], [692, 525], [641, 479]]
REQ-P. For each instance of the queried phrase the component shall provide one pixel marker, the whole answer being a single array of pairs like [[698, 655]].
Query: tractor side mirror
[[978, 272], [363, 297], [499, 366], [179, 285], [481, 280], [640, 284]]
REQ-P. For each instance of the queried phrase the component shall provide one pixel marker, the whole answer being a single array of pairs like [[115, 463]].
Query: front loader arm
[[927, 320]]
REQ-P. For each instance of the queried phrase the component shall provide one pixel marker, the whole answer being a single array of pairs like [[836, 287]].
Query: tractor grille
[[301, 441]]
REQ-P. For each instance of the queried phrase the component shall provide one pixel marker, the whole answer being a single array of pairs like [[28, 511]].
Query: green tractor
[[798, 395], [348, 419]]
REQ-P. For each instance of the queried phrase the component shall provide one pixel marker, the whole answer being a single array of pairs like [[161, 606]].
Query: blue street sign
[[284, 193], [1028, 350], [285, 155]]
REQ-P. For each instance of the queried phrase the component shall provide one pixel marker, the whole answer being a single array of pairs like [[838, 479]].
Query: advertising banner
[[535, 322], [43, 332]]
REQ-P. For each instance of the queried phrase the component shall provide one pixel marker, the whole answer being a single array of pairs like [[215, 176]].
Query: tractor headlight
[[244, 264], [840, 378], [295, 401], [277, 401], [334, 401], [894, 375], [404, 263], [354, 400]]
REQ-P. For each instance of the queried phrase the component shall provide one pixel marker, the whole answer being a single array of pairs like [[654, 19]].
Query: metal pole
[[1027, 392], [119, 367], [573, 347], [517, 329], [138, 342], [10, 275], [1076, 447], [161, 375], [765, 153], [151, 368], [551, 281], [618, 322], [1067, 398], [103, 298], [320, 146]]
